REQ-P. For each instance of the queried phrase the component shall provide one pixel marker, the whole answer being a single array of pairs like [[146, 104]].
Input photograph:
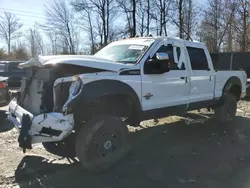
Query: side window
[[169, 49], [2, 67], [198, 58]]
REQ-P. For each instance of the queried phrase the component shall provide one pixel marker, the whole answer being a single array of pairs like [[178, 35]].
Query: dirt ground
[[190, 151]]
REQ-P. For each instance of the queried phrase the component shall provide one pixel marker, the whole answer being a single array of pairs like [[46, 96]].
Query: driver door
[[168, 91]]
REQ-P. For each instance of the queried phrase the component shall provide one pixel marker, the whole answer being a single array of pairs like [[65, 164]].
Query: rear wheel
[[101, 142], [227, 110]]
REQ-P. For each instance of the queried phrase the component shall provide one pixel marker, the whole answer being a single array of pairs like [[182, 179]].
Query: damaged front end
[[36, 120], [46, 127], [41, 109]]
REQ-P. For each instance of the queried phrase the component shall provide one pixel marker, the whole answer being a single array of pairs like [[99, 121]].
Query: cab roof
[[149, 40]]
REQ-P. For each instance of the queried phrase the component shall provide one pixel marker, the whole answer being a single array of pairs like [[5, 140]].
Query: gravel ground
[[190, 151]]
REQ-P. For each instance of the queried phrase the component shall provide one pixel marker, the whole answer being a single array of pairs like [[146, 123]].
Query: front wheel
[[101, 142], [227, 110]]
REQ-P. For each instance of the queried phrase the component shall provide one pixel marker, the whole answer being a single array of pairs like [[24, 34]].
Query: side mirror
[[159, 65]]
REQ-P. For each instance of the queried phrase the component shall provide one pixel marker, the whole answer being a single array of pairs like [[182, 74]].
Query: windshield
[[125, 53]]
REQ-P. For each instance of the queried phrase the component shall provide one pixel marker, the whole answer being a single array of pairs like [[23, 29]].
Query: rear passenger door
[[202, 76]]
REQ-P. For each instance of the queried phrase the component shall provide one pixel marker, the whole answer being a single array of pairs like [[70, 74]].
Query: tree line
[[85, 26]]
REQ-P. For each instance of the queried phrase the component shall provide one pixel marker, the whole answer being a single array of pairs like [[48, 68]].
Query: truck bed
[[232, 61], [225, 61]]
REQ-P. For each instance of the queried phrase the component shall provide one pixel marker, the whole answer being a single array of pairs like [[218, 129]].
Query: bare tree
[[100, 32], [40, 44], [148, 16], [242, 24], [229, 11], [141, 14], [129, 7], [9, 24], [190, 13], [103, 11], [53, 38], [35, 41], [134, 2], [161, 15], [91, 30], [19, 50], [59, 21], [214, 25], [2, 53], [86, 20], [180, 13], [126, 7], [32, 40]]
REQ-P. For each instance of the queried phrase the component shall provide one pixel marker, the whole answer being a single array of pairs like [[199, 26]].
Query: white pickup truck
[[128, 81]]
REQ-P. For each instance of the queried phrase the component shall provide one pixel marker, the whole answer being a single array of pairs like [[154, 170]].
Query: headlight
[[75, 87]]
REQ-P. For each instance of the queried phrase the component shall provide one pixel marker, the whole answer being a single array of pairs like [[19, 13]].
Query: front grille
[[61, 95]]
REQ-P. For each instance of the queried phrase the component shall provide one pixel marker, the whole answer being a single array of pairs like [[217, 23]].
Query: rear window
[[14, 67], [198, 58]]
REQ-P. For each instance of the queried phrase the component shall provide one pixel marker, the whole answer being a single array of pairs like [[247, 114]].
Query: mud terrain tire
[[226, 112], [101, 142]]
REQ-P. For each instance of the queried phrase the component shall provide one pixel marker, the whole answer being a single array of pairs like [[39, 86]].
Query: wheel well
[[236, 91], [119, 105]]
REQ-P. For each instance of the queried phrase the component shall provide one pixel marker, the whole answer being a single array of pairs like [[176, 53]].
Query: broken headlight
[[75, 87], [74, 90]]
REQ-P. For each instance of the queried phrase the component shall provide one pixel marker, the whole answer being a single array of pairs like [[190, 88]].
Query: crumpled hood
[[80, 60]]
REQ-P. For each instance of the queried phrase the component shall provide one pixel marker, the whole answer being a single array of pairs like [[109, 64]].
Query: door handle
[[210, 78], [184, 78]]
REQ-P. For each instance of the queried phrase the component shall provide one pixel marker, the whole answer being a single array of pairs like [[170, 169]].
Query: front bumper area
[[243, 94], [46, 127]]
